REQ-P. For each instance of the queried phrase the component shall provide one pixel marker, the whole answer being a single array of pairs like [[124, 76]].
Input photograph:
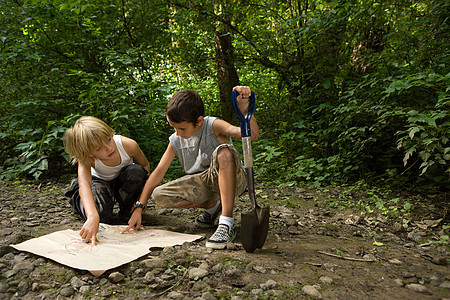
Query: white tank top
[[109, 173]]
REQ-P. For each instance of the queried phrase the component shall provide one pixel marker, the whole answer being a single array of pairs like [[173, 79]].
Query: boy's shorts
[[199, 187]]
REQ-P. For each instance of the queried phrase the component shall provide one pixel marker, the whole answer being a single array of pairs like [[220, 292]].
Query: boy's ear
[[200, 121]]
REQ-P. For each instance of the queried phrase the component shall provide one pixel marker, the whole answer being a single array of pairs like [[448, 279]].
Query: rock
[[269, 284], [260, 269], [311, 292], [76, 282], [23, 288], [153, 263], [399, 282], [25, 267], [445, 285], [417, 288], [232, 271], [257, 292], [84, 289], [116, 277], [414, 236], [197, 273], [175, 295], [326, 279], [395, 261], [67, 291], [103, 281], [207, 296], [3, 287]]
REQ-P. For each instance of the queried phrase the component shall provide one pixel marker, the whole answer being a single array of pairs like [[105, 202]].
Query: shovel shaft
[[251, 187], [247, 149]]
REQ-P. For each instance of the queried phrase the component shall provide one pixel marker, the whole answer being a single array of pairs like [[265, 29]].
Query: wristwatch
[[140, 205]]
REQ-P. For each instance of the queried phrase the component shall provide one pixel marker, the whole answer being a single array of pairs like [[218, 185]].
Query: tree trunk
[[227, 76]]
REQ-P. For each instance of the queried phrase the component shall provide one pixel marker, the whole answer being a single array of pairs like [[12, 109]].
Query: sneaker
[[208, 220], [223, 235]]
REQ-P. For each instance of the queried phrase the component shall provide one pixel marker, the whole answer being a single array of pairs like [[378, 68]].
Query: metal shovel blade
[[254, 223], [254, 226]]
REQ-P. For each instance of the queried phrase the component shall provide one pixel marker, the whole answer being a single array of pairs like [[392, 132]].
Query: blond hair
[[86, 136]]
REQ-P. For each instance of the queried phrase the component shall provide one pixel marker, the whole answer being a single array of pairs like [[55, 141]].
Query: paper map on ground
[[113, 249]]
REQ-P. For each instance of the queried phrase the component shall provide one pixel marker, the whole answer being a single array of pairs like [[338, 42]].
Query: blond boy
[[110, 168]]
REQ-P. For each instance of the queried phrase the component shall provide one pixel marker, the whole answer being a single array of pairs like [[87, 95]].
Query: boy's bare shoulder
[[130, 145]]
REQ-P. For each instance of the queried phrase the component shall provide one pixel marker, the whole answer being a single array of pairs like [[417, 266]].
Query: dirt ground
[[318, 247]]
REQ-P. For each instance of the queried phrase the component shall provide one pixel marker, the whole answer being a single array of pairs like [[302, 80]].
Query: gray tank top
[[194, 153]]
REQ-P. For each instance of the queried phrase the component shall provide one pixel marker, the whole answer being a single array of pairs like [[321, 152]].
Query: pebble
[[67, 291], [153, 263], [326, 279], [395, 262], [207, 296], [311, 292], [23, 268], [445, 285], [116, 277], [269, 284], [76, 282], [197, 273], [417, 288], [399, 282]]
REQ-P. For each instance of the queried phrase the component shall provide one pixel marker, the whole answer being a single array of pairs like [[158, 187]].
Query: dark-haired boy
[[212, 164]]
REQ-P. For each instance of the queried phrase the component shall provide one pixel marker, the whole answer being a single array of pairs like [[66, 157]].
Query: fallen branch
[[347, 258], [173, 286]]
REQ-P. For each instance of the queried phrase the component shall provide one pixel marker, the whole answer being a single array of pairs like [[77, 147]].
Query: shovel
[[254, 223]]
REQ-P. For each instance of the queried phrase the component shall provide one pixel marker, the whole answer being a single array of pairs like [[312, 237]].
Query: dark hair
[[185, 106]]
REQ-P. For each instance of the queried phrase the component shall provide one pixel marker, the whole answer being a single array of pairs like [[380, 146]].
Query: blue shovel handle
[[244, 120]]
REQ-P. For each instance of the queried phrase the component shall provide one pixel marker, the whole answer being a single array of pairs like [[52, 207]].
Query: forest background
[[348, 91]]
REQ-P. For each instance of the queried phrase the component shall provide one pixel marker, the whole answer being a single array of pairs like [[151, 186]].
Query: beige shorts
[[199, 187]]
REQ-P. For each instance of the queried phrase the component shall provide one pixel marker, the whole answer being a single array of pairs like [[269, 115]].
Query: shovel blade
[[254, 228]]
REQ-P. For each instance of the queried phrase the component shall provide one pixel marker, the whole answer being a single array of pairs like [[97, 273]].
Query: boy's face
[[186, 129], [107, 151]]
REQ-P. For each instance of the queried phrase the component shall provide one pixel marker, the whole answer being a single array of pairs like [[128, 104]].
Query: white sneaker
[[223, 235]]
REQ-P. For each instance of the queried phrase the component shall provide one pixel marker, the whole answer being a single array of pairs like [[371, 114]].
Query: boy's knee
[[224, 155]]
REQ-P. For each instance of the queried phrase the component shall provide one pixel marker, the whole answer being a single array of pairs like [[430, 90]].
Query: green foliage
[[346, 91]]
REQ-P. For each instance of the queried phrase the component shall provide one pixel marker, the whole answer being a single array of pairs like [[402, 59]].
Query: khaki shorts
[[199, 187]]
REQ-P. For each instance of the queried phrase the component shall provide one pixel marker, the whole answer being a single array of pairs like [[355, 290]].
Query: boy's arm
[[134, 151], [153, 181], [90, 227]]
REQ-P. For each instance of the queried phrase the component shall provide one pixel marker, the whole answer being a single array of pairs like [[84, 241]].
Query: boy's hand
[[89, 230], [135, 221], [242, 98]]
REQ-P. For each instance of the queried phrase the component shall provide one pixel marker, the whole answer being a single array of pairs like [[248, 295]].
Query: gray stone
[[208, 296], [395, 261], [174, 295], [269, 284], [197, 273], [257, 292], [23, 288], [311, 292], [417, 288], [84, 289], [445, 285], [66, 291], [326, 279], [116, 277], [76, 282], [153, 263], [24, 267], [3, 287], [399, 282]]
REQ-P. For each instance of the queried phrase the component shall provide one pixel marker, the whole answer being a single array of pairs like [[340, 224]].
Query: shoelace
[[221, 232]]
